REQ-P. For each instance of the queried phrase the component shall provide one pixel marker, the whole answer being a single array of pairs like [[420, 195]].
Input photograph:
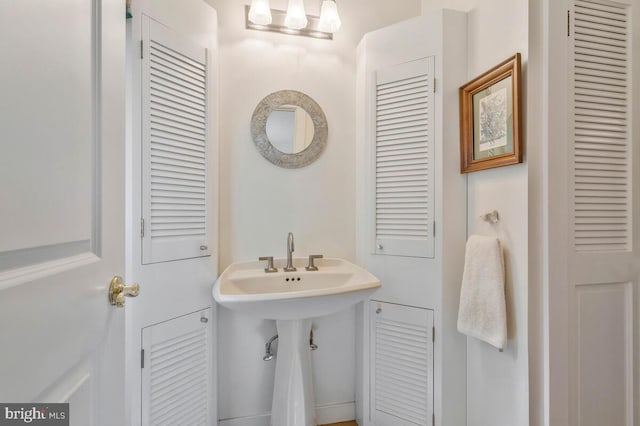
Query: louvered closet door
[[603, 255], [404, 159], [176, 373], [402, 365], [602, 145], [174, 138]]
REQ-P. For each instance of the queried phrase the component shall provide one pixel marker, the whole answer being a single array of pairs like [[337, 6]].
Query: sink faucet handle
[[311, 266], [269, 267]]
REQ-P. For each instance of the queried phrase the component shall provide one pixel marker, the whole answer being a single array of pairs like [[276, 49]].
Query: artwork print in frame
[[490, 122]]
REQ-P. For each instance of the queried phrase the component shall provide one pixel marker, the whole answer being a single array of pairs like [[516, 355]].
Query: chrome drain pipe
[[269, 355]]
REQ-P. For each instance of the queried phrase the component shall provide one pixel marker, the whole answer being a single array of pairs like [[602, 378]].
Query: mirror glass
[[290, 129]]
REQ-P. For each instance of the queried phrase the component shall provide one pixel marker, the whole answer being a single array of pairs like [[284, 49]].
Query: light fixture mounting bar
[[277, 25]]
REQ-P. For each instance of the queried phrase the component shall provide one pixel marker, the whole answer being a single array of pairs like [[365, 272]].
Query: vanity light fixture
[[294, 21], [329, 18], [260, 12], [296, 18]]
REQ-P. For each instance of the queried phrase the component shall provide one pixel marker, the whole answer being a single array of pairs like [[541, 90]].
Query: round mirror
[[289, 129]]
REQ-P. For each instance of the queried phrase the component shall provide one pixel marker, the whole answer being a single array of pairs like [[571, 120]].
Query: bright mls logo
[[34, 414]]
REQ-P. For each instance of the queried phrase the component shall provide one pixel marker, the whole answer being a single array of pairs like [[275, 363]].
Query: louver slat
[[402, 369], [601, 149], [175, 377], [404, 118], [174, 147]]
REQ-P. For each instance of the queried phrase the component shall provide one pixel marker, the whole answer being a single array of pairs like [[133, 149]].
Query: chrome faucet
[[290, 249]]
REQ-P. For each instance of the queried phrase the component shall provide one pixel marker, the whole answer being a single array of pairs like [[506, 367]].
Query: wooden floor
[[351, 423]]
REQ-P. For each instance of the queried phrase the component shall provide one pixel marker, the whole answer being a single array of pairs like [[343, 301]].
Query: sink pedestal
[[293, 397]]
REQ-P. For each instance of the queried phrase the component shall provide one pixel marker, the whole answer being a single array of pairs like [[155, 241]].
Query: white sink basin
[[338, 284]]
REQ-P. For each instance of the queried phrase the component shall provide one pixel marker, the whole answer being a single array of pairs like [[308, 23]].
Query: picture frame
[[490, 118]]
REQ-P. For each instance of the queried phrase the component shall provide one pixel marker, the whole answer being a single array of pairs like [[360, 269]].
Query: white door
[[62, 205], [593, 232], [401, 365], [603, 252]]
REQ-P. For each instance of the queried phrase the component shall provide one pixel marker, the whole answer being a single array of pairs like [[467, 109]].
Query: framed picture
[[490, 125]]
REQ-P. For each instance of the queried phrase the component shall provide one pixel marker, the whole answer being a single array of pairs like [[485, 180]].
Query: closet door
[[404, 159], [401, 365], [603, 251], [177, 365], [174, 146]]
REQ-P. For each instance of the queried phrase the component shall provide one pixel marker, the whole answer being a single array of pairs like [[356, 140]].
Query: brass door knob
[[118, 290]]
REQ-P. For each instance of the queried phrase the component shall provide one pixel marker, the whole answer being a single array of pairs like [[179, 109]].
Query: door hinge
[[434, 228], [433, 419], [142, 358], [433, 334], [141, 49], [434, 85], [141, 227], [568, 23]]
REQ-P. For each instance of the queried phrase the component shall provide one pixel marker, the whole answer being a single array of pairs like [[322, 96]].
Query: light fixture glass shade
[[296, 18], [260, 12], [329, 18]]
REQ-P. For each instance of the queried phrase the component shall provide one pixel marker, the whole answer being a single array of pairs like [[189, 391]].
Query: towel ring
[[492, 217]]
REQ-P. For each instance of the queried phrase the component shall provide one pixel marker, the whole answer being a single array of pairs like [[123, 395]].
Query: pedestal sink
[[293, 299]]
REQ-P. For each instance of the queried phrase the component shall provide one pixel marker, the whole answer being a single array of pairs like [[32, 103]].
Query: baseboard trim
[[335, 413], [260, 420], [325, 414]]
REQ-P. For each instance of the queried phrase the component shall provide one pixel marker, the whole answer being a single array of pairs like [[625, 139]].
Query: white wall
[[535, 134], [498, 383], [260, 203]]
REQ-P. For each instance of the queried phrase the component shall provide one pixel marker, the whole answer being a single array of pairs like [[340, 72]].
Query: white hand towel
[[482, 311]]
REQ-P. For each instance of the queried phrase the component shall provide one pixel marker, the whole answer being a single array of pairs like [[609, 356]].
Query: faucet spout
[[290, 249]]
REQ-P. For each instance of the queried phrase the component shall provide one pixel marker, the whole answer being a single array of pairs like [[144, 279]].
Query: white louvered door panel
[[602, 258], [174, 138], [402, 365], [404, 159], [602, 139], [176, 375]]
